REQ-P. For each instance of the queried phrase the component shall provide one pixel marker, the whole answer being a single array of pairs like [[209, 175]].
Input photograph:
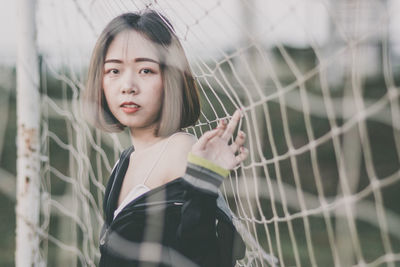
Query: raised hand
[[213, 145]]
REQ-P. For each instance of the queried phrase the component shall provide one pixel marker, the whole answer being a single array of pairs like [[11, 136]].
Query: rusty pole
[[28, 122]]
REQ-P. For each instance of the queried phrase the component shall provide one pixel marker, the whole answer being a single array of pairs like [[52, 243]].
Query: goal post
[[28, 150]]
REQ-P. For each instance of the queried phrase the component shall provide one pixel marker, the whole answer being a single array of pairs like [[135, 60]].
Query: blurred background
[[319, 84]]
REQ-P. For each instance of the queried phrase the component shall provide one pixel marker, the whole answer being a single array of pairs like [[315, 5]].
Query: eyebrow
[[139, 59]]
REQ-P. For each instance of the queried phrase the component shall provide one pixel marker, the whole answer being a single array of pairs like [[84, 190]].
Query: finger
[[222, 125], [239, 141], [230, 128], [244, 152], [206, 137], [222, 122]]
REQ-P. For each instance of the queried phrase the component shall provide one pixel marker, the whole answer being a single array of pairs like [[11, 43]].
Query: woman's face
[[132, 80]]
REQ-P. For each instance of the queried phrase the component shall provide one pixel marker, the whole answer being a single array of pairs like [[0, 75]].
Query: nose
[[128, 90], [129, 85]]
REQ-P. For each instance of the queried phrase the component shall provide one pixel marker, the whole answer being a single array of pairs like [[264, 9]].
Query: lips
[[129, 104], [129, 107]]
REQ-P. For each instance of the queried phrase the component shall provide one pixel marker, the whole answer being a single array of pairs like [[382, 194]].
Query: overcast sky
[[69, 28]]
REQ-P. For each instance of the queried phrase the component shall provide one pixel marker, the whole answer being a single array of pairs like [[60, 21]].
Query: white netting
[[317, 82]]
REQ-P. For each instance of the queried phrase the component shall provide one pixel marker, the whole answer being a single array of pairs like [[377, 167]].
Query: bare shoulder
[[180, 145], [176, 155], [183, 140]]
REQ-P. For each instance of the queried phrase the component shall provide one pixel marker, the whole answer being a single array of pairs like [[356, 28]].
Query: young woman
[[162, 205]]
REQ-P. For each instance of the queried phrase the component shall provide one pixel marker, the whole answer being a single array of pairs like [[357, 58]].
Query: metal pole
[[28, 122]]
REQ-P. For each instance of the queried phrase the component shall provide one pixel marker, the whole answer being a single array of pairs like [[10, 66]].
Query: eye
[[112, 71], [145, 71]]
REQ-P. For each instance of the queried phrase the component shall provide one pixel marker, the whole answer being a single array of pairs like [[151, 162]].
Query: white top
[[135, 192], [141, 188]]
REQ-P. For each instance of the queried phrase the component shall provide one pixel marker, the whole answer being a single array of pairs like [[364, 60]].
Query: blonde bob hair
[[181, 102]]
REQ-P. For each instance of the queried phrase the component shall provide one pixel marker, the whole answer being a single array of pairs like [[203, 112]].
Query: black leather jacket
[[185, 222]]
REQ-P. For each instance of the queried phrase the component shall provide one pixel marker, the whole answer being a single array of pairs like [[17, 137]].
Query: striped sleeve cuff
[[203, 174], [192, 158]]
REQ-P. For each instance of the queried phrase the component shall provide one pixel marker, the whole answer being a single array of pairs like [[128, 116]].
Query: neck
[[143, 138]]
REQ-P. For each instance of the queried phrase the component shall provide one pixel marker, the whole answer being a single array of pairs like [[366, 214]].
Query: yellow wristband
[[192, 158]]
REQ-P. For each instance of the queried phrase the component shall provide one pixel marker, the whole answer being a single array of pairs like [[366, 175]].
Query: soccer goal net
[[318, 82]]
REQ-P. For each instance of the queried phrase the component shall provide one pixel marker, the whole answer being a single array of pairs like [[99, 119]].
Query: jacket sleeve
[[197, 228]]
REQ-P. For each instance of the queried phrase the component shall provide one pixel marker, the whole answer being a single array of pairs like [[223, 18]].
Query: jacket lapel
[[115, 183]]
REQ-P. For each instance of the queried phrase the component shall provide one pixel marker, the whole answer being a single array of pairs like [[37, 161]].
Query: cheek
[[107, 88], [109, 98], [105, 84], [104, 88]]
